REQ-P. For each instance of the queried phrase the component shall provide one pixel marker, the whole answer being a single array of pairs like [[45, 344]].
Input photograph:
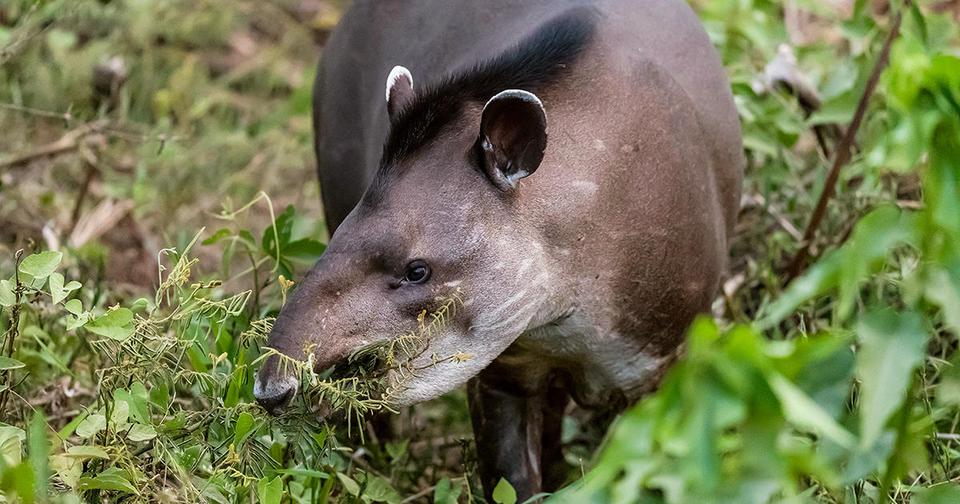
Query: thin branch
[[842, 153], [67, 143]]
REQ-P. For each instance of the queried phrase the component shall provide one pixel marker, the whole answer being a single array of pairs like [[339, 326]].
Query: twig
[[68, 142], [90, 167], [842, 153], [13, 331]]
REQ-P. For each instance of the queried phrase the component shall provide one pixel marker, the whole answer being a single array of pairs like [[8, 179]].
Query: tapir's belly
[[606, 369]]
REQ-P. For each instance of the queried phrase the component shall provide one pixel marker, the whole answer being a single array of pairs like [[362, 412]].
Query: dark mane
[[532, 63]]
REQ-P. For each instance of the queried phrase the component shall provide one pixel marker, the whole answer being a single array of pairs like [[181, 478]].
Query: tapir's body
[[580, 278]]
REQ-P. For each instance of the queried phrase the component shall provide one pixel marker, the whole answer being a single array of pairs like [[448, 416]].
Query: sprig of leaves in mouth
[[370, 377]]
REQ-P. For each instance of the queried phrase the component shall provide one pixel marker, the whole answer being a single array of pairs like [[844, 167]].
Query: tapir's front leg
[[513, 440]]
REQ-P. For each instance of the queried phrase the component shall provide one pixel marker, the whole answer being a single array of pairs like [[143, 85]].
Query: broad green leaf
[[67, 468], [116, 324], [504, 493], [120, 415], [140, 304], [41, 265], [11, 444], [140, 432], [948, 493], [137, 401], [270, 491], [38, 451], [56, 287], [78, 321], [280, 230], [891, 347], [243, 428], [111, 479], [7, 295], [873, 238], [945, 292], [91, 425], [217, 237], [378, 489], [74, 306], [305, 250], [59, 291], [804, 412], [446, 493], [87, 452], [349, 484], [819, 279], [8, 363]]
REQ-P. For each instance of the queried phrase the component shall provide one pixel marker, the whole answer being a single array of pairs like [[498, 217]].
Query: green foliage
[[843, 415]]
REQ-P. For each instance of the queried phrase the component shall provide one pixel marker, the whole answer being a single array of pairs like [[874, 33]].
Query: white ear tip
[[395, 75], [518, 94]]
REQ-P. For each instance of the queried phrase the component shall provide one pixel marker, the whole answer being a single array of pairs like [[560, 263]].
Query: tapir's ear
[[399, 90], [513, 136]]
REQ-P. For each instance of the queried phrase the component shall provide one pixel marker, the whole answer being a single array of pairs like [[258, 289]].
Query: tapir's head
[[441, 224]]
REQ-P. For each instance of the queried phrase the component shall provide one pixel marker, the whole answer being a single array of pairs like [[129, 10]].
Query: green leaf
[[111, 479], [217, 237], [348, 484], [67, 468], [378, 489], [56, 287], [59, 291], [87, 452], [137, 399], [141, 432], [446, 493], [243, 427], [7, 295], [305, 250], [74, 306], [270, 491], [280, 230], [38, 450], [8, 363], [41, 265], [91, 425], [947, 493], [78, 321], [804, 412], [11, 444], [504, 493], [116, 324], [891, 347]]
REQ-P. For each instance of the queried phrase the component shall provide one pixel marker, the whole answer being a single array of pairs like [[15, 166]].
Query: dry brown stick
[[68, 142], [842, 152], [90, 169]]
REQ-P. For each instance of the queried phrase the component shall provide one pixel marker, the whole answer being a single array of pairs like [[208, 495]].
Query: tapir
[[570, 170]]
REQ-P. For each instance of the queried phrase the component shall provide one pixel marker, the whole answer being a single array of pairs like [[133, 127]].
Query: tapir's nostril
[[273, 394]]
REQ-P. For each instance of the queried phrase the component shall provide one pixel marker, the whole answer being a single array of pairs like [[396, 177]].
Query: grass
[[164, 150]]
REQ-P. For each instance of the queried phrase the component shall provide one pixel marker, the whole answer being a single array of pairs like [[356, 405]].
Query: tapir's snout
[[274, 389]]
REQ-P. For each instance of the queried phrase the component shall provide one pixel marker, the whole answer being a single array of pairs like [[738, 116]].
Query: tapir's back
[[436, 37]]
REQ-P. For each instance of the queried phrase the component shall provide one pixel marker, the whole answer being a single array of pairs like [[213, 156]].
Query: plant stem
[[842, 152], [12, 332]]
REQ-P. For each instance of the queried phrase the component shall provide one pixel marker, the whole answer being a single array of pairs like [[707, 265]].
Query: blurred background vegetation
[[160, 152]]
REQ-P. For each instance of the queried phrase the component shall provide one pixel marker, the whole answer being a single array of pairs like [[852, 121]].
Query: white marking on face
[[453, 283], [520, 312], [395, 74], [585, 186], [524, 265], [505, 305]]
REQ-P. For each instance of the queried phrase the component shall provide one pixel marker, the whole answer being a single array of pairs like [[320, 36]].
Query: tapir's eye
[[417, 272]]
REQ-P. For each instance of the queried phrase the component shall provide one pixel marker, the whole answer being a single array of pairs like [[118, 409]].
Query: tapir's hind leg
[[555, 469], [517, 436]]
